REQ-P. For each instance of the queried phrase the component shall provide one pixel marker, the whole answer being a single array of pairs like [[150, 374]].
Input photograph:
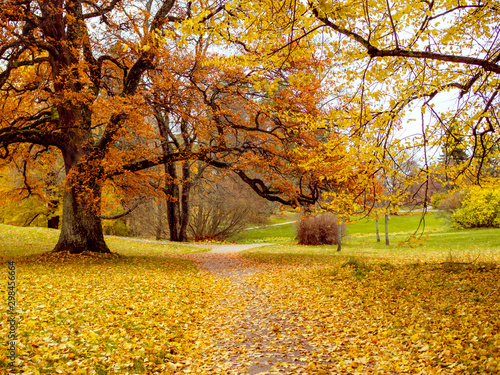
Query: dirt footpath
[[247, 333]]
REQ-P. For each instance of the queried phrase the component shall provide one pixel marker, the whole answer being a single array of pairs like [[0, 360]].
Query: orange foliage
[[147, 87]]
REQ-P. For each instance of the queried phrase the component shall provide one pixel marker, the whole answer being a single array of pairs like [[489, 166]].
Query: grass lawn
[[426, 307], [279, 229], [390, 315], [440, 241], [18, 241]]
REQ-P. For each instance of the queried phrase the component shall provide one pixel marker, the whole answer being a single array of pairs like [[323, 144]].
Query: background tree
[[223, 205], [30, 187], [480, 208], [198, 103]]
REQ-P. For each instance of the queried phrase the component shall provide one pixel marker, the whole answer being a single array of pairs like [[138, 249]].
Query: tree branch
[[100, 11], [4, 76], [397, 52], [122, 214], [485, 64], [161, 15], [31, 133]]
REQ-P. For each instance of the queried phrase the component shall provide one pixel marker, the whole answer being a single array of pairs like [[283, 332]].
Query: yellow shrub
[[480, 208]]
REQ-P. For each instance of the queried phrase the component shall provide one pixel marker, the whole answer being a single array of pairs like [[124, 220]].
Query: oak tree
[[74, 80], [70, 82]]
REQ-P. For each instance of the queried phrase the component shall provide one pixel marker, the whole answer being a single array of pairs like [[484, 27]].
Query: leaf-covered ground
[[278, 309], [104, 315], [353, 317]]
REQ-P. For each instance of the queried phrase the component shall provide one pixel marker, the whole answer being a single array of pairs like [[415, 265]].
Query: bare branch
[[100, 11]]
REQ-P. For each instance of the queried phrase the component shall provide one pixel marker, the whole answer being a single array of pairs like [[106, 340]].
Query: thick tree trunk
[[81, 228]]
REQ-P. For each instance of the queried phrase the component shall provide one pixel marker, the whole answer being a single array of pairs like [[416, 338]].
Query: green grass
[[440, 241], [401, 224], [283, 217], [438, 236], [398, 225], [19, 241], [271, 233]]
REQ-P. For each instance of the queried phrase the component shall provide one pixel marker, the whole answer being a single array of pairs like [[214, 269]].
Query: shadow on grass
[[115, 260]]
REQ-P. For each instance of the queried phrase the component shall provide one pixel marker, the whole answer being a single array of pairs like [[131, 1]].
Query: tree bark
[[172, 192], [387, 229], [53, 221], [81, 228], [159, 227], [177, 201], [378, 232], [186, 187], [339, 237]]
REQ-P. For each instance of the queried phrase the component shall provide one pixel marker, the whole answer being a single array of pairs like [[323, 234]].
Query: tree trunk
[[177, 196], [376, 226], [159, 226], [53, 221], [81, 228], [177, 202], [186, 187], [387, 230], [172, 192], [339, 237]]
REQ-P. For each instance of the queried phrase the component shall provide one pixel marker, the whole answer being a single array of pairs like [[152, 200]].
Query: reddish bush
[[318, 230], [451, 202]]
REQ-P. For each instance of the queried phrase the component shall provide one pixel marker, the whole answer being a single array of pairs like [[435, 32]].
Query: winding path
[[249, 332]]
